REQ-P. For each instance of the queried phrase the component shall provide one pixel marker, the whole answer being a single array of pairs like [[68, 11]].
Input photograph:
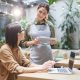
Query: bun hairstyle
[[44, 5]]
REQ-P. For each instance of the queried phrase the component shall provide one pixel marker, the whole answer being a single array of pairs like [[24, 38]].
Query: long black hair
[[11, 33]]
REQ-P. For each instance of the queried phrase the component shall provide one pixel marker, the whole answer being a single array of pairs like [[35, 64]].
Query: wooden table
[[64, 63], [47, 76]]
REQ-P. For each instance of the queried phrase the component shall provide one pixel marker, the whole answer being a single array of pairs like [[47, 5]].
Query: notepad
[[44, 40]]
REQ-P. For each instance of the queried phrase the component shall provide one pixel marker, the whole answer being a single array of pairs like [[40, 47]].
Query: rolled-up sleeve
[[25, 61]]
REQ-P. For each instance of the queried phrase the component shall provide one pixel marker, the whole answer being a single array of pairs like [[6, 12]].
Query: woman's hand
[[35, 41], [53, 41], [48, 64]]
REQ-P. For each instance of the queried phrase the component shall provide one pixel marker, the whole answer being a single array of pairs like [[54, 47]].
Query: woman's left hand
[[53, 41]]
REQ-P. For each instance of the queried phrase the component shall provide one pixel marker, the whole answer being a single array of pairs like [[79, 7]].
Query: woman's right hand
[[35, 41], [48, 64]]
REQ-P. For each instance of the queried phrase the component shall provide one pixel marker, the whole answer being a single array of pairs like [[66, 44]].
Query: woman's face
[[21, 36], [41, 13]]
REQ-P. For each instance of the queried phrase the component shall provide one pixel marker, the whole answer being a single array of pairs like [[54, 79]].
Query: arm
[[53, 40], [36, 68], [51, 29], [28, 40], [32, 42]]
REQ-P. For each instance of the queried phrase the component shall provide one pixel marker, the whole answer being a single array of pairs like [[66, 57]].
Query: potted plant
[[68, 26]]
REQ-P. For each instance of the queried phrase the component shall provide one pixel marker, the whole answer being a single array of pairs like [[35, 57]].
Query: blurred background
[[64, 14]]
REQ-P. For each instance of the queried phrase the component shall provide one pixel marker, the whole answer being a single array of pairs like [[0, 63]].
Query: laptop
[[65, 70]]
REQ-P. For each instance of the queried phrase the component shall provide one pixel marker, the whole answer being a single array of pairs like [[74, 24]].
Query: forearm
[[28, 43], [33, 42], [35, 68], [29, 69]]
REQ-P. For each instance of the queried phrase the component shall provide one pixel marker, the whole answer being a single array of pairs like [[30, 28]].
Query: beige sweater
[[11, 63]]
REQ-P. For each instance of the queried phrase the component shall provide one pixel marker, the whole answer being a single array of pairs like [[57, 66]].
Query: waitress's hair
[[44, 5], [11, 33]]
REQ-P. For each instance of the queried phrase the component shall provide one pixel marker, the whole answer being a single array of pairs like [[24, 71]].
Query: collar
[[40, 23]]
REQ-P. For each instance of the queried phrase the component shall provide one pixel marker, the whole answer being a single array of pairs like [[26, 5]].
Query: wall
[[31, 13]]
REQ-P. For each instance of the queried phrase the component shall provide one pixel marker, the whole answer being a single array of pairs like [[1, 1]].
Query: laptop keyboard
[[62, 70]]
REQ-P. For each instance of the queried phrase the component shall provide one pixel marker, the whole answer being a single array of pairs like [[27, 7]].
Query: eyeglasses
[[22, 30]]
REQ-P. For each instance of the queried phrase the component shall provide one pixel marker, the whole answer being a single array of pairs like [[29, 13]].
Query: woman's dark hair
[[12, 30], [44, 5]]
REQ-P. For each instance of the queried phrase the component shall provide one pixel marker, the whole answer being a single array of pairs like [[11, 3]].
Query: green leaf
[[68, 25], [51, 1], [23, 22]]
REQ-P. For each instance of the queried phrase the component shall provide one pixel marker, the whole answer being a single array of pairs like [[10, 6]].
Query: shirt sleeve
[[27, 37], [25, 61], [51, 29], [7, 60]]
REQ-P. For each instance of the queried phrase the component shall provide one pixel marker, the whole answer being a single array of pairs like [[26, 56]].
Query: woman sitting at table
[[12, 61]]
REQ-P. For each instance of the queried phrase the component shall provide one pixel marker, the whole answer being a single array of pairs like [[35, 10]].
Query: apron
[[42, 52]]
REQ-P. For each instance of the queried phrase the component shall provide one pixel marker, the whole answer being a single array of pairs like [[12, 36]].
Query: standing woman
[[12, 61], [39, 53]]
